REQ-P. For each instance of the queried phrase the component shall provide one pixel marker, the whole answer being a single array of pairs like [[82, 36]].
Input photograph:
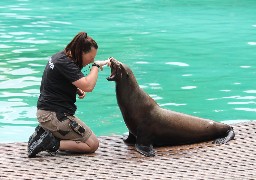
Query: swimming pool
[[193, 57]]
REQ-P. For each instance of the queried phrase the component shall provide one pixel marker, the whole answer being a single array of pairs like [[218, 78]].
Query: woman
[[59, 129]]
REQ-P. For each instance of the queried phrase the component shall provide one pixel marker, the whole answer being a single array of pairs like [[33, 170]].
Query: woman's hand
[[103, 63], [81, 93]]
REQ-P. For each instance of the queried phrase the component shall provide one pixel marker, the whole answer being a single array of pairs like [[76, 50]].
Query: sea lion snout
[[113, 67], [116, 68]]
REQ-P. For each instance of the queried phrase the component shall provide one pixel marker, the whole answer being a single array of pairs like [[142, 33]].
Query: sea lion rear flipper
[[224, 140], [145, 150], [131, 139]]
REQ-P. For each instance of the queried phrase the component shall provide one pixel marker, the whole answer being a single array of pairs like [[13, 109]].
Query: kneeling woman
[[62, 80]]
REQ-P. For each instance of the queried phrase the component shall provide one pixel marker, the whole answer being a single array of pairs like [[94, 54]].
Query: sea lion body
[[149, 124]]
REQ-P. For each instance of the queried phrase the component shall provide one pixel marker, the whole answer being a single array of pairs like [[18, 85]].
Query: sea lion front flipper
[[131, 139], [224, 140], [145, 150], [143, 143]]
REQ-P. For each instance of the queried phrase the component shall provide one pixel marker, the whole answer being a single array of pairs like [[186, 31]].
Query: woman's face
[[89, 56]]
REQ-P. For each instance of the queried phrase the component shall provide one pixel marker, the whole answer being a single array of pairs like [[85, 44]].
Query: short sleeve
[[69, 69]]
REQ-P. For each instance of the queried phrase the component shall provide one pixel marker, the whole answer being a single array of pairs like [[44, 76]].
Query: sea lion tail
[[230, 135]]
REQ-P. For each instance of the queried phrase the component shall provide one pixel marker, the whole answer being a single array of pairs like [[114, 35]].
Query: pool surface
[[192, 57]]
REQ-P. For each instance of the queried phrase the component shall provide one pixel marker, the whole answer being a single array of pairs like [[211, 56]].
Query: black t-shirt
[[57, 93]]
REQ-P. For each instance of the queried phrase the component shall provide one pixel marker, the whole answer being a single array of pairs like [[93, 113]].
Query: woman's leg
[[70, 140], [89, 146]]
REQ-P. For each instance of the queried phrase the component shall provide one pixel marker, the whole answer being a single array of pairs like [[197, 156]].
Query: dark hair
[[79, 44]]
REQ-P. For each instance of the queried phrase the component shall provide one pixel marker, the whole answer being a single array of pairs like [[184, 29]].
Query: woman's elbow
[[89, 89]]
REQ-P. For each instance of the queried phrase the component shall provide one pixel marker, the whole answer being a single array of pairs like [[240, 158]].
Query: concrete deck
[[115, 160]]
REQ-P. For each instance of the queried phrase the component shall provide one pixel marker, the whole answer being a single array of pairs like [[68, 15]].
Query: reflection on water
[[192, 57]]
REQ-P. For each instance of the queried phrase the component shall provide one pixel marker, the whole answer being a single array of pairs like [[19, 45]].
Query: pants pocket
[[44, 116], [47, 120]]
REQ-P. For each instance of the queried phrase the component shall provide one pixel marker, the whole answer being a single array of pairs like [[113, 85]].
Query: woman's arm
[[88, 82]]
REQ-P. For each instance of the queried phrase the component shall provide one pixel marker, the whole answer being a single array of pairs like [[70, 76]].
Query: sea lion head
[[119, 71]]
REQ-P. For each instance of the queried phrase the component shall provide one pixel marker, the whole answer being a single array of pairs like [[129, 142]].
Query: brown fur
[[151, 124]]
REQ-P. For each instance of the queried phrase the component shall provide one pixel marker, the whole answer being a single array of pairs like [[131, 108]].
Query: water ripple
[[187, 75], [250, 91], [22, 71], [245, 67], [60, 22], [188, 87], [252, 43], [249, 102], [33, 41], [18, 51], [3, 46], [177, 64], [25, 59], [20, 82], [246, 109], [2, 77], [5, 36], [13, 112], [155, 97], [9, 94], [19, 33], [142, 62], [225, 90], [20, 9], [171, 104], [240, 97]]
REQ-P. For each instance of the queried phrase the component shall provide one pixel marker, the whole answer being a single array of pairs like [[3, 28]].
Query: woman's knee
[[94, 147], [93, 143]]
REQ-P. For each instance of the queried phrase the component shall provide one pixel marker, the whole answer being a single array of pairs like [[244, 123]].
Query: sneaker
[[38, 131], [54, 145], [42, 140]]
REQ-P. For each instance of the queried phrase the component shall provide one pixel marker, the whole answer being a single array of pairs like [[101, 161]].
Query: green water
[[190, 56]]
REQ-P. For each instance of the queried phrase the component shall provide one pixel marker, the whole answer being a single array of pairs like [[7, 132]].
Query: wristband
[[94, 64]]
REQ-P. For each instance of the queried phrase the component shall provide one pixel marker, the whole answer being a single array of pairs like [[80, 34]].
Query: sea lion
[[150, 125]]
